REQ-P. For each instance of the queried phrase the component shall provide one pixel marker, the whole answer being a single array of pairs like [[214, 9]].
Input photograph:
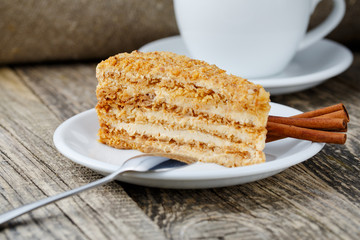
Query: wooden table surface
[[317, 199]]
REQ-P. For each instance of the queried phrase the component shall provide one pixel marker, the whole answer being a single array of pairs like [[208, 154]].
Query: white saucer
[[76, 138], [310, 67]]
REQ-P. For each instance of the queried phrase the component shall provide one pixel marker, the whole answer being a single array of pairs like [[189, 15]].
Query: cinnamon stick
[[311, 120], [334, 124], [337, 114], [283, 130], [334, 111], [322, 111]]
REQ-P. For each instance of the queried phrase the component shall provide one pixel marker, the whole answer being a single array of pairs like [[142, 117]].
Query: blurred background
[[72, 30]]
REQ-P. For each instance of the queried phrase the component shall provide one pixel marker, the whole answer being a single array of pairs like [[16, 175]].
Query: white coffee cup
[[251, 38]]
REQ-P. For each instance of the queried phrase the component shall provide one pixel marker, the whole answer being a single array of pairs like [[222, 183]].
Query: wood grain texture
[[318, 199], [32, 169]]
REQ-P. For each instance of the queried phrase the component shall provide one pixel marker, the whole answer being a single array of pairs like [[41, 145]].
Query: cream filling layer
[[164, 133], [244, 134], [221, 109], [180, 136]]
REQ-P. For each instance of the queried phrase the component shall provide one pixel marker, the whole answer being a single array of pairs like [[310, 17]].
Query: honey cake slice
[[161, 102]]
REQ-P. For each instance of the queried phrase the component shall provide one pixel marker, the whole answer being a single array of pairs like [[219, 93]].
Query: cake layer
[[147, 105], [180, 136], [145, 69], [142, 121], [189, 152], [191, 97]]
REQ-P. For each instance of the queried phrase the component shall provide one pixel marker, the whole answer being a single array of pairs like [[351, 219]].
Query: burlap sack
[[43, 30]]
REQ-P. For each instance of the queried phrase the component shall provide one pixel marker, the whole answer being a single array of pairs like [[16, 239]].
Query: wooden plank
[[295, 204], [65, 89], [31, 168]]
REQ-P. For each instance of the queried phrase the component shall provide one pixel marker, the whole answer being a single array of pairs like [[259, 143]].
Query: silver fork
[[139, 163]]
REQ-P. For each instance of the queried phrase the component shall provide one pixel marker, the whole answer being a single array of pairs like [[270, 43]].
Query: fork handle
[[5, 217]]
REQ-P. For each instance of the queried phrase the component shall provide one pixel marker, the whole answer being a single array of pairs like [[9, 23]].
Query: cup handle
[[326, 26]]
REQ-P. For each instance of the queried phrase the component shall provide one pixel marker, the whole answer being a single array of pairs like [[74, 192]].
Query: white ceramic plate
[[76, 139], [310, 67]]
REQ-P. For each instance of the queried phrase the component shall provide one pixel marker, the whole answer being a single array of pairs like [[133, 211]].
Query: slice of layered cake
[[161, 102]]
